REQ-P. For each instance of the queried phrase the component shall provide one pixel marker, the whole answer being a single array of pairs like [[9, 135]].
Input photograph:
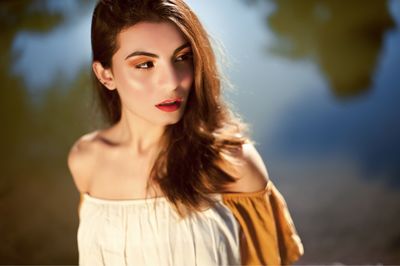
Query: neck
[[138, 135]]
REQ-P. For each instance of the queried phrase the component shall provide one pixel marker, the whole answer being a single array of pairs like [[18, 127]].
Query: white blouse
[[252, 228], [133, 232]]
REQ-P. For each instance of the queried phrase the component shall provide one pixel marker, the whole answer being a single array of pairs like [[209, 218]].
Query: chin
[[174, 121], [168, 121]]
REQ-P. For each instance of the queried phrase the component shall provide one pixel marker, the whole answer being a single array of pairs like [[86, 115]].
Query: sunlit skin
[[144, 80]]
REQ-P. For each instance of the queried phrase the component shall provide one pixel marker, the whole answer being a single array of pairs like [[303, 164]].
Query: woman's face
[[153, 64]]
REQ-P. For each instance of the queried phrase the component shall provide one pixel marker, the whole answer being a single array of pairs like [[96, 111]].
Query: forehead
[[157, 37]]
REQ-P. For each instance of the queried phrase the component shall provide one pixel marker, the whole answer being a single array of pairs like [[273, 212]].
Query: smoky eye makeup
[[185, 56], [147, 65]]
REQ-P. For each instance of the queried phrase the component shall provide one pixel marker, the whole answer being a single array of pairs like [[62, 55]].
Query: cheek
[[187, 77], [135, 87]]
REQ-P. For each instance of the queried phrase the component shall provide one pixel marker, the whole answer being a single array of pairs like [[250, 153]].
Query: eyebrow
[[154, 55]]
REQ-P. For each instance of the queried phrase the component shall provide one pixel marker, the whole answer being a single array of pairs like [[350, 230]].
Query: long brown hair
[[193, 160]]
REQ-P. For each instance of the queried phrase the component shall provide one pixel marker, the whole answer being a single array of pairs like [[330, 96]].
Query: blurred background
[[315, 79]]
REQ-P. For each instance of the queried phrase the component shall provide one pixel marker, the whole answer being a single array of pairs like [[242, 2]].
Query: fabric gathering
[[247, 228]]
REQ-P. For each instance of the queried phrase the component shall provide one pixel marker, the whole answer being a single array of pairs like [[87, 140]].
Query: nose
[[170, 77]]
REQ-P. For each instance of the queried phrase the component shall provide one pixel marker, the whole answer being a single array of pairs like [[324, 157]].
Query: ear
[[104, 75]]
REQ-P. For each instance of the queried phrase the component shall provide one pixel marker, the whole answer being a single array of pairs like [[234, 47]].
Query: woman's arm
[[250, 168], [81, 161]]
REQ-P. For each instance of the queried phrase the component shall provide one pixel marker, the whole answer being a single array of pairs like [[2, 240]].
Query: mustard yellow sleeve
[[269, 236]]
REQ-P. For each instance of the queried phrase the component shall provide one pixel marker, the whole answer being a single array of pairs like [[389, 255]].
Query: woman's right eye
[[145, 66]]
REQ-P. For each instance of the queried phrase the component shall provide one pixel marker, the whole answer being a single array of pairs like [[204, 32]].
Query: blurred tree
[[14, 104], [343, 38], [35, 143]]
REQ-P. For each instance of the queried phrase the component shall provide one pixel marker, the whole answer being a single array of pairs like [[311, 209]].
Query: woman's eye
[[184, 57], [145, 65], [149, 64]]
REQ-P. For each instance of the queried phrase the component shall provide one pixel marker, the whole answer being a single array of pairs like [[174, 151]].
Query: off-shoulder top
[[253, 228]]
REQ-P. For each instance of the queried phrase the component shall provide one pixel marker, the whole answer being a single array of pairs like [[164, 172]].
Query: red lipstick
[[170, 105]]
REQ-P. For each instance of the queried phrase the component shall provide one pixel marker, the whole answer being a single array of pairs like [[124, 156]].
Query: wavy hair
[[193, 161]]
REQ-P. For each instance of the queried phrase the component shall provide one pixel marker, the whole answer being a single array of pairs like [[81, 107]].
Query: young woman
[[174, 179]]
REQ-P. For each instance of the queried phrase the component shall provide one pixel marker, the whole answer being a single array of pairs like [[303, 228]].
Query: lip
[[170, 108], [170, 100]]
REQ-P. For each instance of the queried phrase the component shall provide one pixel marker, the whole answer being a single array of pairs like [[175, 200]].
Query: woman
[[172, 144]]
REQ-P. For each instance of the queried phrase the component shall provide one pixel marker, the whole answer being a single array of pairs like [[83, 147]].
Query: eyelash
[[185, 57]]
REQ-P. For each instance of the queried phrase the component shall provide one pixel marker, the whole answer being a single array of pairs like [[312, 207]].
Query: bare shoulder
[[81, 160], [250, 168]]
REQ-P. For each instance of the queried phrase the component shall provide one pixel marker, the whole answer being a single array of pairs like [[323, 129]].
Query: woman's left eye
[[184, 57]]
